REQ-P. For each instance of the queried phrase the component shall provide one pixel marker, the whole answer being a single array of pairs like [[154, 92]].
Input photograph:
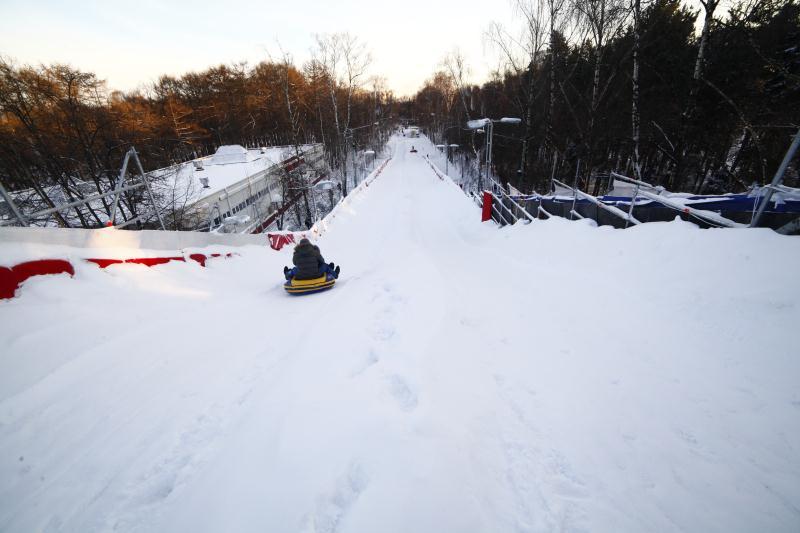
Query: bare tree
[[557, 15], [604, 19], [679, 157], [522, 53], [346, 61], [635, 118], [289, 79], [455, 65]]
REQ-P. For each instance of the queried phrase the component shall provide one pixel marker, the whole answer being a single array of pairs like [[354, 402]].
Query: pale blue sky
[[130, 43]]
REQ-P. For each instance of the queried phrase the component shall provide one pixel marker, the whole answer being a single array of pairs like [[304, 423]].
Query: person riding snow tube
[[413, 150], [311, 273]]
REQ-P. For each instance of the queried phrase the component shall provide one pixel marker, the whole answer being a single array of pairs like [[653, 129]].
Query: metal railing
[[627, 217], [121, 187], [709, 217], [777, 180], [506, 210]]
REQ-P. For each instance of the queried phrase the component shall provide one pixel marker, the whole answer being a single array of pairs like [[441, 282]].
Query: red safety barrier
[[8, 283], [200, 258], [486, 214], [279, 240], [12, 278], [103, 263], [153, 261]]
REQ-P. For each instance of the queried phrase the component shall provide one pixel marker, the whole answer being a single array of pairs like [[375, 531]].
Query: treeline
[[62, 128], [694, 100]]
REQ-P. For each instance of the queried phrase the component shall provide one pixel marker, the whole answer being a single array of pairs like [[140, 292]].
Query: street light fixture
[[321, 185], [324, 185], [447, 156], [477, 123], [348, 132], [366, 153], [488, 124]]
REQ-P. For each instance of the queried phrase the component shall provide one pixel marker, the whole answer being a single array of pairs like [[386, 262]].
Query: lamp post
[[487, 124], [366, 153], [447, 127], [447, 162], [322, 185], [480, 166], [446, 148], [348, 132]]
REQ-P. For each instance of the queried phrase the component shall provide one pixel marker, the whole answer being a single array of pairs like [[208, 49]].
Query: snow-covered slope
[[549, 377]]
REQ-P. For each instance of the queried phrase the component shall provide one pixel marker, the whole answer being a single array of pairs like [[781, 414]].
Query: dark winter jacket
[[308, 260]]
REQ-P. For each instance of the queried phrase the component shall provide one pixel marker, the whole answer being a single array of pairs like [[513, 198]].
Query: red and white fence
[[42, 250]]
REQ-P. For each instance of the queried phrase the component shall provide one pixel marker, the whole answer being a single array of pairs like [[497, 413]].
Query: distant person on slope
[[308, 263]]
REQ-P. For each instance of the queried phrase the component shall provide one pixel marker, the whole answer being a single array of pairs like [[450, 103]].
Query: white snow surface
[[459, 378]]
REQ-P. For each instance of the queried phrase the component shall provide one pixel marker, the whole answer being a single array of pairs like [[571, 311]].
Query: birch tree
[[604, 19], [709, 6], [635, 118], [346, 61], [522, 54]]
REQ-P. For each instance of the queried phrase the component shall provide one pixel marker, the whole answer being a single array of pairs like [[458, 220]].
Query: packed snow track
[[458, 378]]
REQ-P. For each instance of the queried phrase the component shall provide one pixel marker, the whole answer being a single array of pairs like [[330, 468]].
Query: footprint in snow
[[370, 359], [333, 507], [382, 332], [563, 478], [401, 391], [687, 437]]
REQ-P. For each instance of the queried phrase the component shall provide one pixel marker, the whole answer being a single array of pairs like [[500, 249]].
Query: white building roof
[[233, 153], [228, 166]]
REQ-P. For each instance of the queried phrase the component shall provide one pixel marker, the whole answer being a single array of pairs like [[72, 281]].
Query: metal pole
[[633, 201], [254, 203], [553, 173], [777, 179], [489, 135], [82, 201], [120, 183], [149, 190], [575, 187], [228, 200], [17, 213], [314, 203], [211, 216], [611, 209], [480, 173]]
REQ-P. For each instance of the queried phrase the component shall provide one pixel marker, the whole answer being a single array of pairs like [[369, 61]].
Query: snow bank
[[25, 244]]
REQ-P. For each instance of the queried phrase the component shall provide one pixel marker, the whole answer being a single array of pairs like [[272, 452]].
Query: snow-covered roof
[[233, 153], [207, 176]]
